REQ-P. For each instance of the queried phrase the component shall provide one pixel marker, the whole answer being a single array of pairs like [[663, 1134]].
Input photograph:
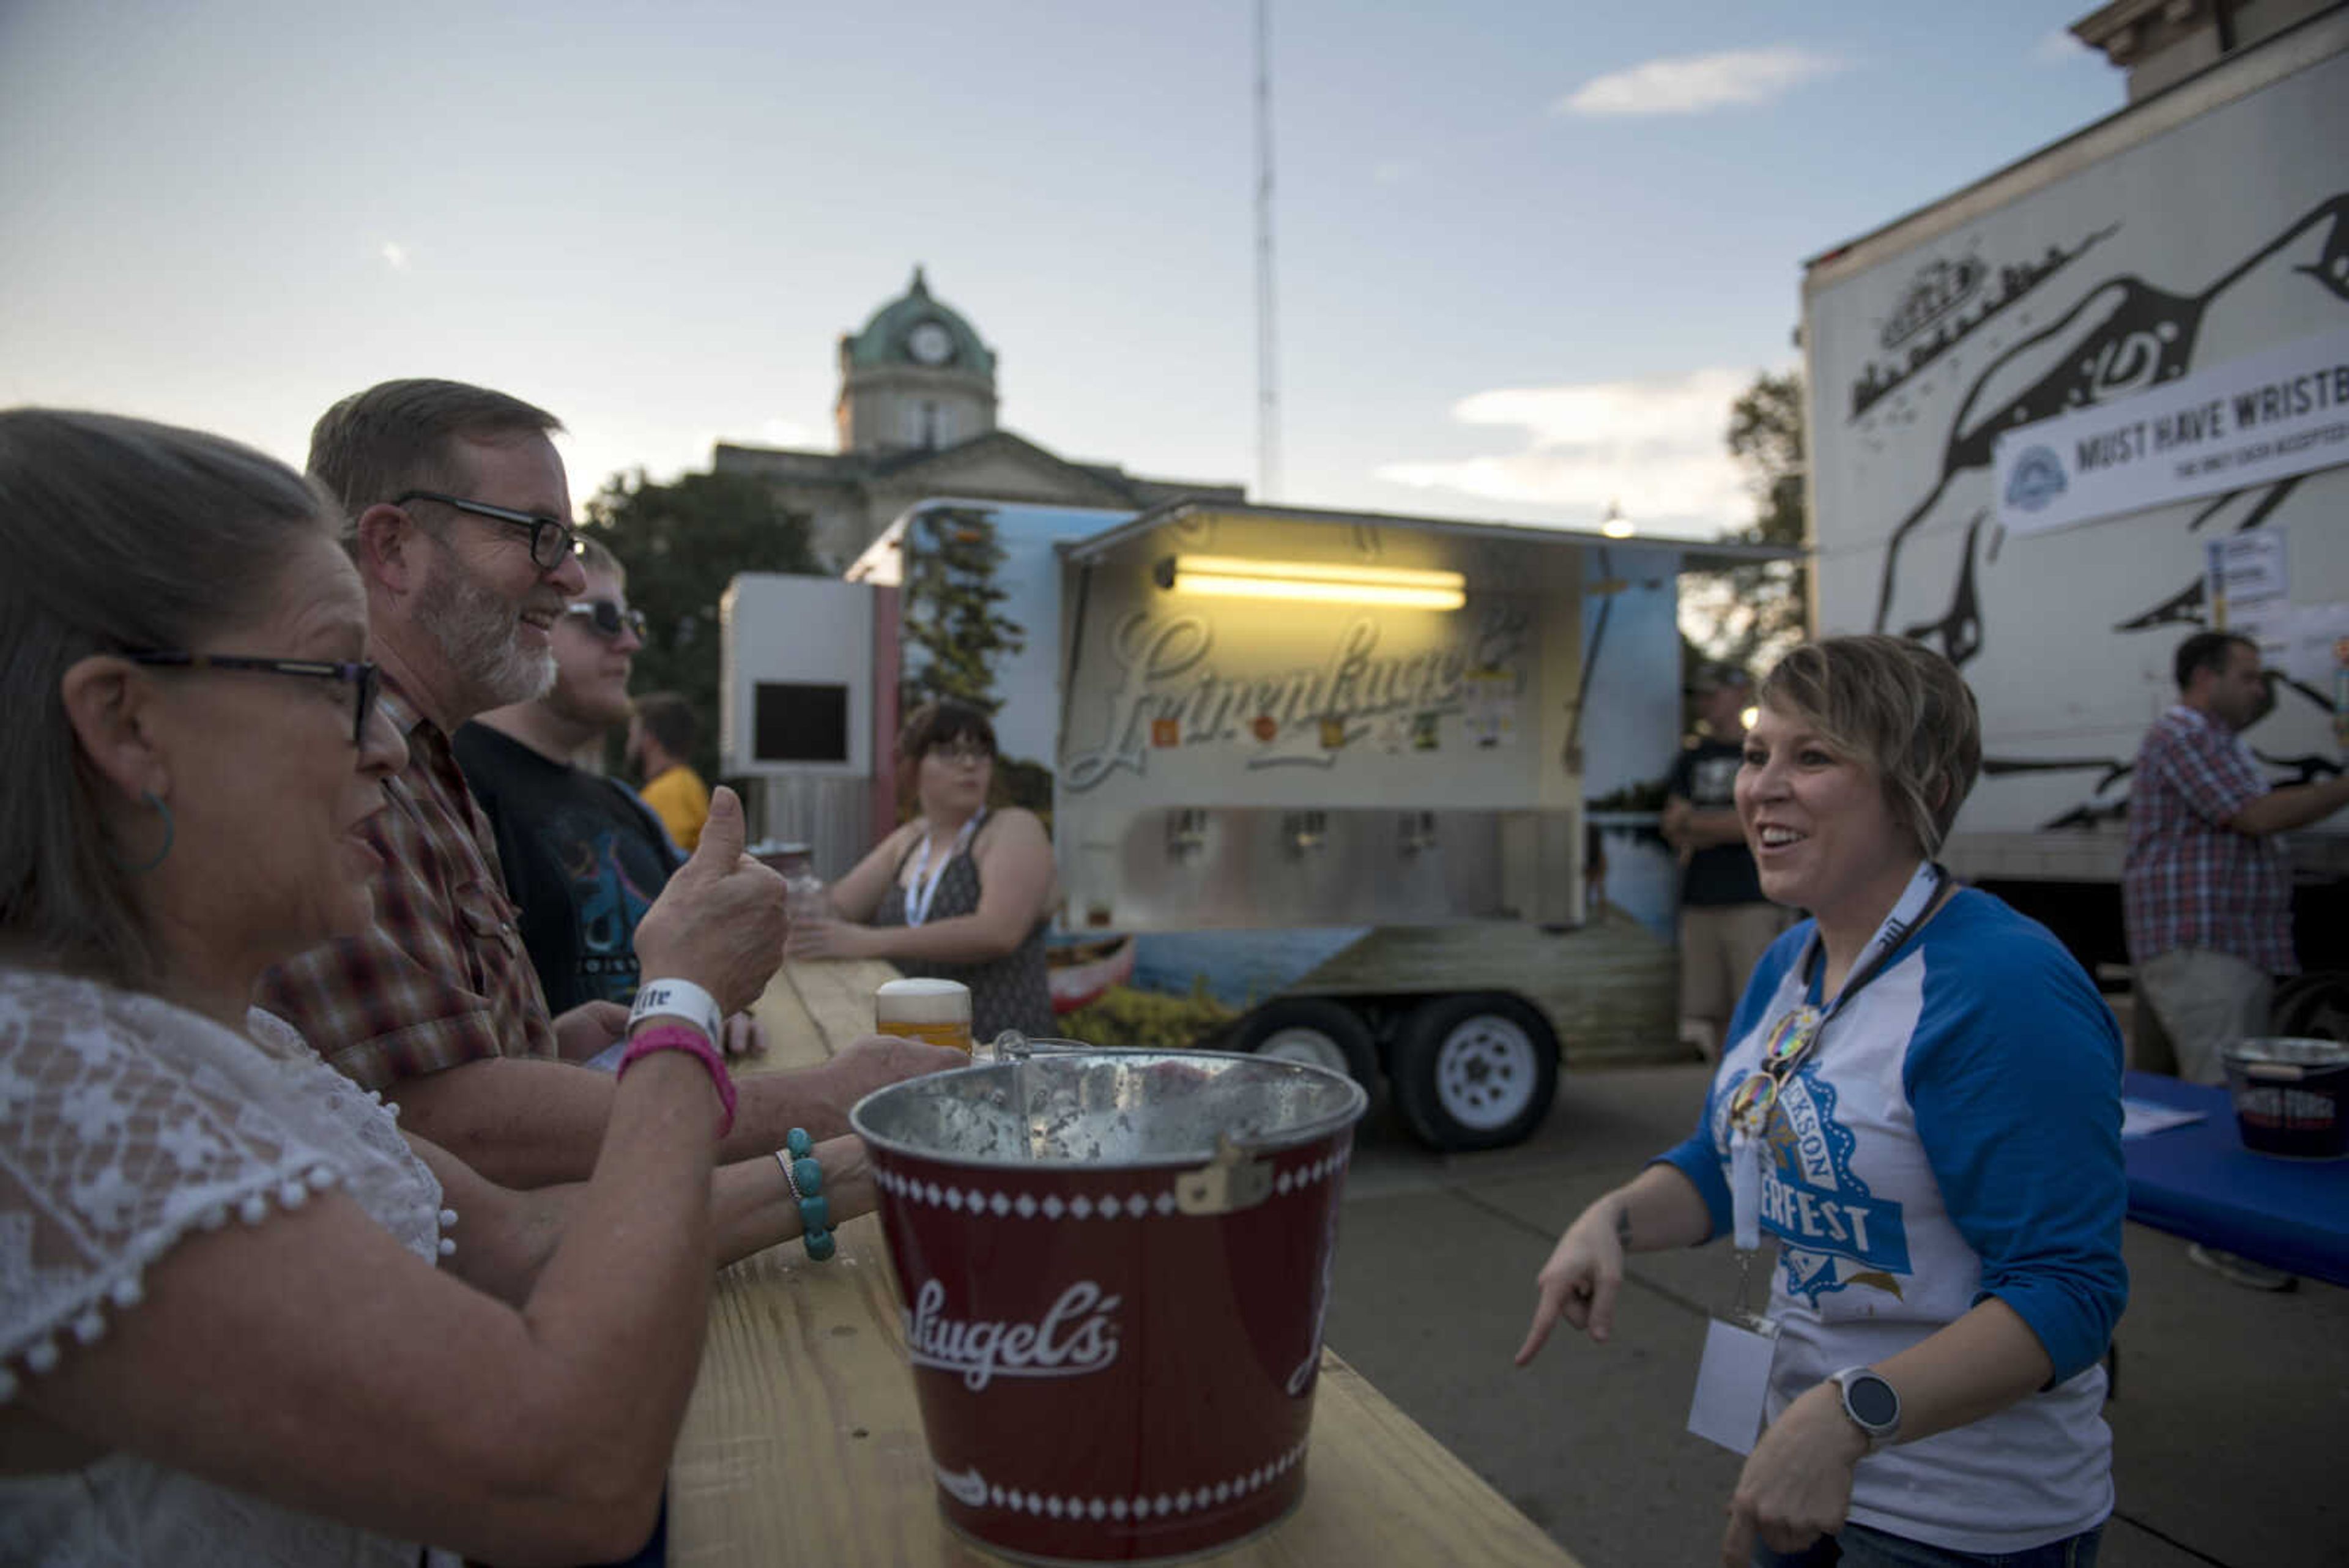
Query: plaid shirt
[[2190, 882], [441, 978]]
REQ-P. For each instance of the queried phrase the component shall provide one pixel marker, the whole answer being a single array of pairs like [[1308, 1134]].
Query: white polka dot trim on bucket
[[975, 1490], [1110, 1206]]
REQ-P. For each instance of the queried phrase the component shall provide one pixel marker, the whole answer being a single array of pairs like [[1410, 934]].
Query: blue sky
[[1527, 252]]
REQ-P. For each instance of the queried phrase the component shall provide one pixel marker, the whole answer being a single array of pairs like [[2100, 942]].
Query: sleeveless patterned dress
[[1008, 993]]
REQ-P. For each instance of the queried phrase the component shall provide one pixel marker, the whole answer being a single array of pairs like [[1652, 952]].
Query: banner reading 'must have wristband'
[[2252, 421]]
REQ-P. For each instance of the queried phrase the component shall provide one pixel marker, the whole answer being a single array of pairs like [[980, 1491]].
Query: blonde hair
[[120, 535], [594, 555], [1899, 709]]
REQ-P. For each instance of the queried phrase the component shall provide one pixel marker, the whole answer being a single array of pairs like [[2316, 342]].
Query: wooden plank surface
[[803, 1441]]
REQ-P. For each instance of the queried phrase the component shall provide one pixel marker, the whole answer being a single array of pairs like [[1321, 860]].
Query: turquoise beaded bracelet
[[804, 1177]]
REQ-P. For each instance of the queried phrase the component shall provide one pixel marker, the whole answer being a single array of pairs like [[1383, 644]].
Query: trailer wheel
[[1311, 1030], [1477, 1071]]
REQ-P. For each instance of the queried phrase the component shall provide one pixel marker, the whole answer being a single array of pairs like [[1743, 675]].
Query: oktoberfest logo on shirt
[[1833, 1233]]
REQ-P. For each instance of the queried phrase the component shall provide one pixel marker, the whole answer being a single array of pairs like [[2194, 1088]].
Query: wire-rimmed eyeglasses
[[551, 540], [364, 680]]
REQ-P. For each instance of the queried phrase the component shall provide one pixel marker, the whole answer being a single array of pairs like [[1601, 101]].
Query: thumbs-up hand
[[719, 922]]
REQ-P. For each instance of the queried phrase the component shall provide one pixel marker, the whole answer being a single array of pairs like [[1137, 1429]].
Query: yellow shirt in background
[[681, 801]]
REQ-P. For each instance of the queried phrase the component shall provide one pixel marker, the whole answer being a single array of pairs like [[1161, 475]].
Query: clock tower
[[914, 377]]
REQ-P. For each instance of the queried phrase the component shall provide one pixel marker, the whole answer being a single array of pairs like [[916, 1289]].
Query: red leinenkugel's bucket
[[1112, 1269]]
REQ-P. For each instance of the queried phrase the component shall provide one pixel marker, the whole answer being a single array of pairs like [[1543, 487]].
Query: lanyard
[[925, 888], [1791, 1041]]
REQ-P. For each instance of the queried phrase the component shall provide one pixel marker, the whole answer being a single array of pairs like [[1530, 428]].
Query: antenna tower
[[1267, 375]]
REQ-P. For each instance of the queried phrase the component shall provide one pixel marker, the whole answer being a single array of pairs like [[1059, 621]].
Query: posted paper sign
[[2247, 567], [2252, 421]]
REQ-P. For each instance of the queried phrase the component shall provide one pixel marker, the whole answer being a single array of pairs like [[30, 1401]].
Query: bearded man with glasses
[[458, 516]]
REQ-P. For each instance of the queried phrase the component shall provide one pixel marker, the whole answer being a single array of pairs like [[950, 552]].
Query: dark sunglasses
[[606, 618], [365, 677], [551, 538]]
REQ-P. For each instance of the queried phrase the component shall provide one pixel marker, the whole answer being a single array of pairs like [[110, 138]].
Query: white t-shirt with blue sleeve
[[1954, 1136]]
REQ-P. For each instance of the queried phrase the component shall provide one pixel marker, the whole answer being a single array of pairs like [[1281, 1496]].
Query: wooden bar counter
[[803, 1441]]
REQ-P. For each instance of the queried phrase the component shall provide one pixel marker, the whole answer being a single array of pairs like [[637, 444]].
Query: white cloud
[[2059, 47], [1657, 448], [394, 255], [1693, 84]]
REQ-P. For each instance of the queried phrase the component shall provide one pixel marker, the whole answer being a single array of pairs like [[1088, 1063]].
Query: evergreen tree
[[949, 610]]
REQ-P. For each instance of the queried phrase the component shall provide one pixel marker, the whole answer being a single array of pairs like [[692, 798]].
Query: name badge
[[1732, 1384]]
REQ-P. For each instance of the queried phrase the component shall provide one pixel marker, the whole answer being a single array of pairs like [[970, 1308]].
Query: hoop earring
[[171, 833]]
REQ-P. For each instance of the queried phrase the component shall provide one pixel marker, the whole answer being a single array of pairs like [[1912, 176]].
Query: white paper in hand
[[1733, 1382]]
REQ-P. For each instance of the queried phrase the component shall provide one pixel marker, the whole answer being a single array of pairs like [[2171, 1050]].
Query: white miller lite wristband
[[678, 999]]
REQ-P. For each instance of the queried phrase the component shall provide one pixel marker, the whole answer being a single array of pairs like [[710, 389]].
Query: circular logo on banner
[[2038, 479]]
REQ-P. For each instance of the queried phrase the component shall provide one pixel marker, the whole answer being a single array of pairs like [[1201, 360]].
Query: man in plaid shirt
[[458, 518], [2208, 895]]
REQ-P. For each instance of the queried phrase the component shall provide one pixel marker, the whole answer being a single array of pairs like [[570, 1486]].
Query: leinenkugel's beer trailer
[[2093, 403], [1381, 745]]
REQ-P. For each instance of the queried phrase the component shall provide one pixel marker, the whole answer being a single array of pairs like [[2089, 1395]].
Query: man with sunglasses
[[458, 511], [583, 856]]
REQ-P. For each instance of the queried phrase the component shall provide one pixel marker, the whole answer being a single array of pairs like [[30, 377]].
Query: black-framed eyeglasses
[[961, 751], [365, 679], [606, 620], [552, 539]]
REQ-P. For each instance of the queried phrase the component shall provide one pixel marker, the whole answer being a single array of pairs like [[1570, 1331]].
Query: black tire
[[1475, 1071], [1313, 1029]]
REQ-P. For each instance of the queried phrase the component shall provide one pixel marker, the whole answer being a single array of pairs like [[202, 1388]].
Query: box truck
[[2091, 404]]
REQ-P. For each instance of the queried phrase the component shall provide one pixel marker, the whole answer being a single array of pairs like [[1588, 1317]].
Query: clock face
[[930, 344]]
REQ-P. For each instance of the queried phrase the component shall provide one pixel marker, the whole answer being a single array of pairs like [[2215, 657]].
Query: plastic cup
[[934, 1011]]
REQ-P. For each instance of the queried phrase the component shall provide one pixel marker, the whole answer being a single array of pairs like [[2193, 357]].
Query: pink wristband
[[677, 1037]]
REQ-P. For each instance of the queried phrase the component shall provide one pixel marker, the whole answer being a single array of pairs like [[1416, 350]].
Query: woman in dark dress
[[960, 892]]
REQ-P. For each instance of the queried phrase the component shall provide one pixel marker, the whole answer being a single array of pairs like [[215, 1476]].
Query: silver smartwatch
[[1873, 1405]]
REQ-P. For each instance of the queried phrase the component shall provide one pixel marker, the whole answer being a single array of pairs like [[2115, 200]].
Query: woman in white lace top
[[241, 1317]]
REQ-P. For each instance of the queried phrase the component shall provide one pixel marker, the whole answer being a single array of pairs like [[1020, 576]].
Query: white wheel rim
[[1486, 1071], [1311, 1046]]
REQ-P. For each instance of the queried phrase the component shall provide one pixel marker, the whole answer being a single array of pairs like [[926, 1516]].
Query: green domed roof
[[885, 339]]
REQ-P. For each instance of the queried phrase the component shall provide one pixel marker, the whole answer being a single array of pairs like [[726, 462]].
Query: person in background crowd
[[458, 511], [959, 892], [660, 738], [583, 857], [244, 1320], [2206, 889], [1725, 923], [1922, 1095]]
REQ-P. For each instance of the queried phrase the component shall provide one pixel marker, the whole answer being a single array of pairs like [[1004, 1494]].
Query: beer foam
[[922, 1001]]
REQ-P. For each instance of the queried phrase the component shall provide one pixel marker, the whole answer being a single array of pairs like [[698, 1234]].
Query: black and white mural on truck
[[2078, 294]]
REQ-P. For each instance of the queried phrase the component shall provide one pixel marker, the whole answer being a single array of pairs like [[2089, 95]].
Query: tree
[[1751, 615], [681, 543], [950, 618]]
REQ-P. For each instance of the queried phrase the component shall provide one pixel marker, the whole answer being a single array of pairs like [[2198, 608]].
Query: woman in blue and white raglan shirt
[[1941, 1164]]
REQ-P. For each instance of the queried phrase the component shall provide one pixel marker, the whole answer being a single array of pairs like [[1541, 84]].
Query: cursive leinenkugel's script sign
[[1172, 682]]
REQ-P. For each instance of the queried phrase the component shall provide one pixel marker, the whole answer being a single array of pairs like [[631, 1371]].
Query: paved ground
[[2230, 1420]]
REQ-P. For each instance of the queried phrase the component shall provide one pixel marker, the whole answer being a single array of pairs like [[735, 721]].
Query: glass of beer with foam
[[935, 1010]]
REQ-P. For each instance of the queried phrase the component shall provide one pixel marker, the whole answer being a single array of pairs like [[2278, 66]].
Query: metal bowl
[[1126, 1107]]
